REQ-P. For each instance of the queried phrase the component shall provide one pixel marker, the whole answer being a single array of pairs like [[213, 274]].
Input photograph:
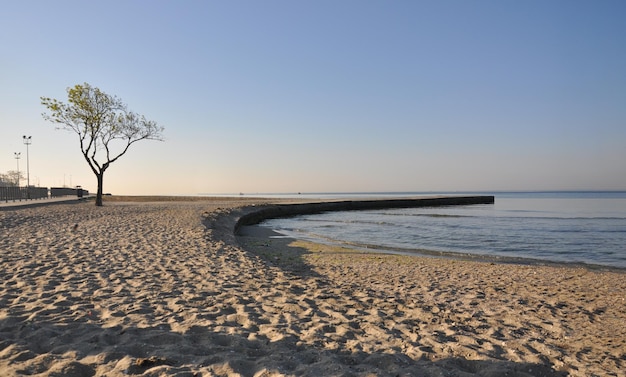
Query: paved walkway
[[13, 204]]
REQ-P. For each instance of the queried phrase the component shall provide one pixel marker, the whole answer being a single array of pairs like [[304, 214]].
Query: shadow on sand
[[71, 349]]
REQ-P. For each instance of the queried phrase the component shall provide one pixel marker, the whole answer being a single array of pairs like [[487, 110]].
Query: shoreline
[[252, 216], [166, 288], [257, 232]]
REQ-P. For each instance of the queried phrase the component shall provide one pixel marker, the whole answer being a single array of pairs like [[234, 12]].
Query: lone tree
[[105, 127]]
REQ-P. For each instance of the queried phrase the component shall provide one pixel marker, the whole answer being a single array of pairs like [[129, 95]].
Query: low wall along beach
[[257, 215]]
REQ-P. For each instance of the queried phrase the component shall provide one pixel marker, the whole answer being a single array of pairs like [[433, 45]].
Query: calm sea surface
[[573, 227]]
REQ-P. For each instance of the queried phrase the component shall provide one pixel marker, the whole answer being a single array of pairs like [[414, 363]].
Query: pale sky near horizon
[[326, 96]]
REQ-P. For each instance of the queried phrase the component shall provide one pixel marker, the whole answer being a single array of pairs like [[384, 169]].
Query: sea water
[[564, 227]]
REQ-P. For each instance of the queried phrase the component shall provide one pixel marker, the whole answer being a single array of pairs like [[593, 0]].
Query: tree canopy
[[105, 127]]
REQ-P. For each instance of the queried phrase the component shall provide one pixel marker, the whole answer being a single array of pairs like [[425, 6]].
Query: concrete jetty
[[255, 215]]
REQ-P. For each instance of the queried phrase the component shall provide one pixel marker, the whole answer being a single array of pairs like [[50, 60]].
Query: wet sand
[[166, 289]]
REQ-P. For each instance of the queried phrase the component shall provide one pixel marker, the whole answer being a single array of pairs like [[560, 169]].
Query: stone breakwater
[[255, 215]]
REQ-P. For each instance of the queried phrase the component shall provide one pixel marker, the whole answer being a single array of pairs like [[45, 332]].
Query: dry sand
[[151, 289]]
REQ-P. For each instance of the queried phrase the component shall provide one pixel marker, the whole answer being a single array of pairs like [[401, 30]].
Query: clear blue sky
[[313, 96]]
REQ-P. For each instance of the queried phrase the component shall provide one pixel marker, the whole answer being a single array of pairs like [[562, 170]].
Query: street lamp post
[[27, 141], [17, 158]]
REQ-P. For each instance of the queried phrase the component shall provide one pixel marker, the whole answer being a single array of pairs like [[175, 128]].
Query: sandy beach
[[165, 288]]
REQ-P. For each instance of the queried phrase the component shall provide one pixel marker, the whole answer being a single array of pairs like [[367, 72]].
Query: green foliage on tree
[[104, 125]]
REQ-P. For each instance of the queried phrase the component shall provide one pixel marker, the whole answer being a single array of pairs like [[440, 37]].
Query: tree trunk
[[99, 193]]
